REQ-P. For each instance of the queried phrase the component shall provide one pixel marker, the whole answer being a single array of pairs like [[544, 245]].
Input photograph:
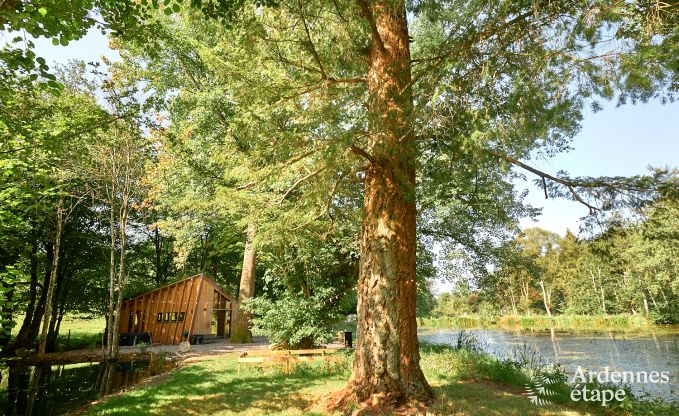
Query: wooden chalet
[[181, 311]]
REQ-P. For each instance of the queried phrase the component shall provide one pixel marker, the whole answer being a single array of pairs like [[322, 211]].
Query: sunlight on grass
[[212, 387]]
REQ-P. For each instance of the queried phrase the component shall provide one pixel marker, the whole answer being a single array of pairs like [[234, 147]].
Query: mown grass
[[561, 322], [466, 382], [85, 332]]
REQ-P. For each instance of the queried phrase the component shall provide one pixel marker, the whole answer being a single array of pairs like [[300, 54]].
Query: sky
[[621, 141], [615, 141]]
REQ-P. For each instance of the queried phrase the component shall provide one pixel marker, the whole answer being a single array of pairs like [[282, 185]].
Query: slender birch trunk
[[112, 259], [545, 298]]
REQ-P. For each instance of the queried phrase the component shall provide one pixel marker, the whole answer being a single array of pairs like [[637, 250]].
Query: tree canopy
[[354, 136]]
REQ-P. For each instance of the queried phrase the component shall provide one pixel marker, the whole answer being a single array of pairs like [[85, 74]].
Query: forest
[[327, 159], [628, 269]]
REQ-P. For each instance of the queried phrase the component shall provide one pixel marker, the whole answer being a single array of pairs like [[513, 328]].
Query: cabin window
[[174, 317], [180, 317], [166, 317], [160, 317]]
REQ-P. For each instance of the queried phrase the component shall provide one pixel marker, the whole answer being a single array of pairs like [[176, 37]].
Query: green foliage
[[62, 22], [294, 320], [628, 269], [254, 111], [78, 341], [562, 322]]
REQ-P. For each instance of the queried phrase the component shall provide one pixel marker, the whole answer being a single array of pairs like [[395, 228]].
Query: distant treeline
[[630, 268]]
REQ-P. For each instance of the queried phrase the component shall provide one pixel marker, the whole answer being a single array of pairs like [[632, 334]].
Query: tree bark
[[601, 289], [643, 296], [386, 370], [6, 315], [545, 298], [53, 277], [120, 283], [23, 338], [513, 300], [112, 273], [241, 329]]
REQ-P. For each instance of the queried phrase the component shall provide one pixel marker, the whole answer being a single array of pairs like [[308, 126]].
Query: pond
[[55, 390], [646, 351]]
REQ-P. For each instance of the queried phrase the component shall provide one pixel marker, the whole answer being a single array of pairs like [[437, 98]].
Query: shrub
[[295, 321]]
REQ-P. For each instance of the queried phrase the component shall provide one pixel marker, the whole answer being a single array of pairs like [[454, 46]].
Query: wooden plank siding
[[194, 299]]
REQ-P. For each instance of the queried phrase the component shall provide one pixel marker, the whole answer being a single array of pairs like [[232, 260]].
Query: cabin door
[[220, 318]]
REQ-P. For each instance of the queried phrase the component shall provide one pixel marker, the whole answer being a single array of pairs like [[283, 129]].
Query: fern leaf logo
[[540, 389]]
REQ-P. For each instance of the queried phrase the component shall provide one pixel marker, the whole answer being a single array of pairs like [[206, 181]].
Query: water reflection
[[649, 351], [54, 390]]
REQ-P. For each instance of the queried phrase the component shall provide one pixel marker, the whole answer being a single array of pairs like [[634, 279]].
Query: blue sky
[[616, 141]]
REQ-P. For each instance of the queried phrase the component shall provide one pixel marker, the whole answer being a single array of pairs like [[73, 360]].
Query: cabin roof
[[207, 279]]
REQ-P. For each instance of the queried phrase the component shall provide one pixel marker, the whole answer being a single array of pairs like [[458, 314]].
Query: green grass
[[86, 332], [212, 387], [465, 383], [562, 322]]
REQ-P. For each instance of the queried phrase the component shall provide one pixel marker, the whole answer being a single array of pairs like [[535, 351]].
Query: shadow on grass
[[214, 388], [487, 398]]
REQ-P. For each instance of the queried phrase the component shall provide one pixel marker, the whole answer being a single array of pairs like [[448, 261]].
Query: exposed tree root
[[355, 402]]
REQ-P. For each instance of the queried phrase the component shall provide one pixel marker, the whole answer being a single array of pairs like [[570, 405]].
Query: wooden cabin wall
[[201, 324], [192, 296], [177, 298]]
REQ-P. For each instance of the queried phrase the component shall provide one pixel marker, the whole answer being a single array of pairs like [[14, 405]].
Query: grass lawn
[[86, 332], [212, 387], [82, 324]]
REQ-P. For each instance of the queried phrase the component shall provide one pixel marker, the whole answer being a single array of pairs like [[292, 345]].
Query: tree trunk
[[241, 329], [112, 275], [386, 370], [643, 296], [601, 290], [664, 296], [58, 307], [53, 277], [120, 282], [31, 328], [545, 298], [6, 314], [24, 337], [524, 292], [513, 300]]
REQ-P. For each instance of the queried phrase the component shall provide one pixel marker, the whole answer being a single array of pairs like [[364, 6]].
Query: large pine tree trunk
[[386, 368], [241, 328]]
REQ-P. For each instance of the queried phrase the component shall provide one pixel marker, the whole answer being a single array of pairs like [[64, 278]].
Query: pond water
[[54, 390], [592, 351]]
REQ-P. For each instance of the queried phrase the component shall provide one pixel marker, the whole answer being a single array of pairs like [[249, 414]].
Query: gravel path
[[135, 353], [212, 348]]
